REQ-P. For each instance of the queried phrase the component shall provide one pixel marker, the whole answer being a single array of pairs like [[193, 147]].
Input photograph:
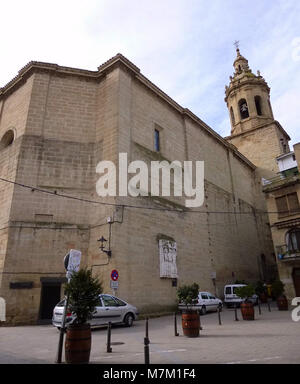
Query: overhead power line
[[57, 194]]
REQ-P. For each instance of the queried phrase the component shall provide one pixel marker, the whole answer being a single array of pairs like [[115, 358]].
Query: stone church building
[[57, 123]]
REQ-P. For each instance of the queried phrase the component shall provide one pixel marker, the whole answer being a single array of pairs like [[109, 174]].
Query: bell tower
[[254, 131]]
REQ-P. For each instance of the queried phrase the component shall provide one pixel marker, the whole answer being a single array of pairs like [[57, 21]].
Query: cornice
[[119, 59], [249, 131]]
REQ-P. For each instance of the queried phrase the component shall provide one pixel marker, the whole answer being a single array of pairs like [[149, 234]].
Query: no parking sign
[[114, 275]]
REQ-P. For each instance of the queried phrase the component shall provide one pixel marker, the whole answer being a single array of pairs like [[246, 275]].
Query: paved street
[[273, 338]]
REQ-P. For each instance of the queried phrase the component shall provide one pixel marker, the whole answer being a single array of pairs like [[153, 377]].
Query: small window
[[243, 107], [228, 291], [287, 205], [156, 140], [204, 297], [7, 139], [232, 116], [258, 105], [293, 240], [282, 206]]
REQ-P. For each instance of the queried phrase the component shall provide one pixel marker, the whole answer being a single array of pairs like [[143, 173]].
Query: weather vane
[[237, 44]]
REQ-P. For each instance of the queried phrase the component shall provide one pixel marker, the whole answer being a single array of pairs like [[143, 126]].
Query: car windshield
[[228, 291], [61, 303]]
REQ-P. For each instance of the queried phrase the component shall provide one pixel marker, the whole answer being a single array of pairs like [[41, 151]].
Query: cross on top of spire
[[237, 44]]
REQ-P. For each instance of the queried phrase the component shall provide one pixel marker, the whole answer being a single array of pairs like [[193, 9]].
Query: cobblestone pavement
[[272, 338]]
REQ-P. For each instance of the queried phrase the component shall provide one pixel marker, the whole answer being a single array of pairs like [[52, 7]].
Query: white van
[[230, 297]]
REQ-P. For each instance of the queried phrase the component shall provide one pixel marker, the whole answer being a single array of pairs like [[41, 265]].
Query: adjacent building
[[282, 195]]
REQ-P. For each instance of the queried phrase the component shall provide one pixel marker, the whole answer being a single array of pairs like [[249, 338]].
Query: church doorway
[[50, 296]]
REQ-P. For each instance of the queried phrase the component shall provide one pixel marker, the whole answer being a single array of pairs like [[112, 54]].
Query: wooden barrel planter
[[247, 310], [282, 303], [190, 323], [78, 344]]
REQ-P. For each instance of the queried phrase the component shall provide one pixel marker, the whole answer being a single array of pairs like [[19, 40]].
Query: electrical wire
[[57, 194]]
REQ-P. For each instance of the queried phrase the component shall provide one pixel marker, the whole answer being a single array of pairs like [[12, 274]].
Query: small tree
[[245, 292], [277, 288], [187, 294], [83, 290], [260, 288]]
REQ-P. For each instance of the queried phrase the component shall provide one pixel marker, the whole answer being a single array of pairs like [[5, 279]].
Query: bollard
[[62, 331], [146, 351], [219, 316], [269, 306], [109, 349], [146, 345], [259, 307], [147, 329], [175, 325], [235, 313]]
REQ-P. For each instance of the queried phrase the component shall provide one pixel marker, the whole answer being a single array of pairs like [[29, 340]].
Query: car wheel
[[203, 310], [128, 320]]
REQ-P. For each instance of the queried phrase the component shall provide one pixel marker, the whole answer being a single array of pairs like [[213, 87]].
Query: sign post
[[71, 264], [114, 284]]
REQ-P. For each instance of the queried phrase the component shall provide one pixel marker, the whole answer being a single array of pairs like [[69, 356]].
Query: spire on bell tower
[[247, 96], [252, 122]]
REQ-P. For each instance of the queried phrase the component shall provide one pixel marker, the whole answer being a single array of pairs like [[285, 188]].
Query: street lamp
[[102, 246]]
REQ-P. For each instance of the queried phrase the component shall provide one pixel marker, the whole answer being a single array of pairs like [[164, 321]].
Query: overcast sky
[[184, 46]]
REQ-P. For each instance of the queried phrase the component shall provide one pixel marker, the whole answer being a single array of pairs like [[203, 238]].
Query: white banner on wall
[[167, 254]]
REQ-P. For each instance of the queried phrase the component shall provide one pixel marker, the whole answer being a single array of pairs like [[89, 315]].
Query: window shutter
[[282, 206], [293, 203]]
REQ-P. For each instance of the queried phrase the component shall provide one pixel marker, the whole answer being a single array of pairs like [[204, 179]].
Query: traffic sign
[[72, 262], [114, 284], [114, 275]]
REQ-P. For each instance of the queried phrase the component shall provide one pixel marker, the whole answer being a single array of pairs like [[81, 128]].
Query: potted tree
[[247, 307], [188, 295], [261, 291], [278, 292], [83, 292]]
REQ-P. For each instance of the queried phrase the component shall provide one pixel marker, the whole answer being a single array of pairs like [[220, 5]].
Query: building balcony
[[283, 179], [286, 255]]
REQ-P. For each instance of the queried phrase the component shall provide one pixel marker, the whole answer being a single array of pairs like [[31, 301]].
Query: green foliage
[[260, 288], [83, 290], [277, 288], [245, 292], [187, 294]]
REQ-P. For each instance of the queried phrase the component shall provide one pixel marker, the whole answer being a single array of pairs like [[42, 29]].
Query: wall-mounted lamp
[[102, 246]]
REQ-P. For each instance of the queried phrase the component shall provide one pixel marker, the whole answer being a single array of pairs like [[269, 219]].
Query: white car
[[230, 297], [109, 309], [206, 303]]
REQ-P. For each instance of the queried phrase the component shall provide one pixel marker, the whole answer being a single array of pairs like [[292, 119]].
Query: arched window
[[7, 139], [243, 107], [232, 116], [293, 240], [258, 105]]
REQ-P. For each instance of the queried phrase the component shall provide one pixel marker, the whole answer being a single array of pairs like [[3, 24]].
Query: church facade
[[57, 123]]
